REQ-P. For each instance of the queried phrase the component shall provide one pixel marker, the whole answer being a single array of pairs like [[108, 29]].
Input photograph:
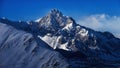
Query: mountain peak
[[54, 10], [56, 13], [55, 20]]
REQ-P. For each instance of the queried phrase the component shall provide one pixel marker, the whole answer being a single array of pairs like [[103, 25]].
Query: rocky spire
[[55, 20]]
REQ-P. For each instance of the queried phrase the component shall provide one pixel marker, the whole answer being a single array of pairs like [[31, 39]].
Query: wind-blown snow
[[19, 49]]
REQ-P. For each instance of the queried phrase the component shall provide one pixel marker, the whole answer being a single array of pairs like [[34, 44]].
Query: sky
[[103, 15], [32, 9]]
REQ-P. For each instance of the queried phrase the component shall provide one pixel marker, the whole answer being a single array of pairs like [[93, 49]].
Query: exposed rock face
[[54, 21], [56, 41]]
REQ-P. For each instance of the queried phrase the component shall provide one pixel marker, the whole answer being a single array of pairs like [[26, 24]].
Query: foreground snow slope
[[19, 49]]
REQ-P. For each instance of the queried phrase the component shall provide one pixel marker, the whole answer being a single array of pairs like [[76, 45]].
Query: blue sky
[[33, 9], [100, 15]]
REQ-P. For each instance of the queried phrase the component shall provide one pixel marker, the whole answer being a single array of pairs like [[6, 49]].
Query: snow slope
[[19, 49]]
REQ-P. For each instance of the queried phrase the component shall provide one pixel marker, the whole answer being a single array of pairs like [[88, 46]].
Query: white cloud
[[102, 22]]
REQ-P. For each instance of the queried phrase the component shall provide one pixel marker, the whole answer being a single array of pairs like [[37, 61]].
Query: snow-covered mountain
[[59, 41]]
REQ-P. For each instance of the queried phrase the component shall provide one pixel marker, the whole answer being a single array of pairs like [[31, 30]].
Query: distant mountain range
[[56, 41]]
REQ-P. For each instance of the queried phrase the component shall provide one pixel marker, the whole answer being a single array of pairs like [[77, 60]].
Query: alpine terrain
[[56, 41]]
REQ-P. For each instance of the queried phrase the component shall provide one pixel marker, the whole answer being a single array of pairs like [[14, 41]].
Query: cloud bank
[[102, 22]]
